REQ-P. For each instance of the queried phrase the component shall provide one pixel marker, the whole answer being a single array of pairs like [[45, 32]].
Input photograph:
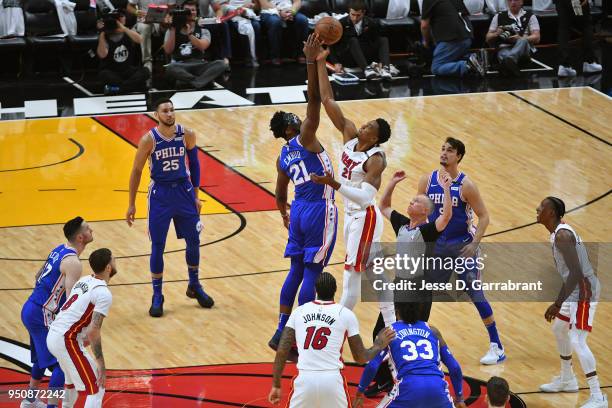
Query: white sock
[[566, 369], [70, 397], [95, 400], [594, 386], [351, 289]]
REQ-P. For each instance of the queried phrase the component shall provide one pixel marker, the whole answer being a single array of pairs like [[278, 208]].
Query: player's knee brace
[[351, 287], [156, 262], [37, 372], [484, 309], [560, 329], [582, 350], [192, 253], [57, 377]]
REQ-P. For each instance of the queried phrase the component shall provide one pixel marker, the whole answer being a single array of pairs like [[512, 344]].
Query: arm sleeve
[[361, 196], [429, 232], [398, 221], [454, 371], [370, 370], [194, 166], [102, 299]]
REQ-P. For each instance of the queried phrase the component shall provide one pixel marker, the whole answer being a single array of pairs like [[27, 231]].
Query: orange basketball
[[329, 30]]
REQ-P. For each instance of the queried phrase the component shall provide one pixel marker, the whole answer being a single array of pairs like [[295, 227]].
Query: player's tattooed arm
[[363, 355], [287, 340], [94, 335]]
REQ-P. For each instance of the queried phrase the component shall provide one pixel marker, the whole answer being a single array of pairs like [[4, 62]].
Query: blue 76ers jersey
[[49, 292], [459, 227], [168, 160], [415, 350], [298, 163]]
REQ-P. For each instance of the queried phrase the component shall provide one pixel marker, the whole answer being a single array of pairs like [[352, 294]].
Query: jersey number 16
[[316, 339]]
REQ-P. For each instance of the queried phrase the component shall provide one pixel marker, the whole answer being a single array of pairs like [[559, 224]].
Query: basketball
[[329, 30]]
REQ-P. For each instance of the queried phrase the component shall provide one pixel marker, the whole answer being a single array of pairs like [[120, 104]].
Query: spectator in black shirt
[[416, 237], [445, 22], [362, 45], [120, 71], [187, 46]]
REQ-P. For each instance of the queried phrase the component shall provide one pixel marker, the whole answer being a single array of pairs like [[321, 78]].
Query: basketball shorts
[[312, 230], [33, 319], [77, 364], [580, 314], [319, 389], [361, 230], [418, 392], [176, 202]]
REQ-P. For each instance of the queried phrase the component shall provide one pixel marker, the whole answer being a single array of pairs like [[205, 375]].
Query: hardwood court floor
[[521, 147]]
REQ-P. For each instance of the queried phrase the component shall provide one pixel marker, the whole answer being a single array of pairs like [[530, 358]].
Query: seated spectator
[[187, 44], [474, 7], [119, 70], [575, 11], [515, 31], [11, 19], [362, 45], [495, 6], [446, 23], [281, 15], [498, 392], [139, 8], [246, 23], [220, 38]]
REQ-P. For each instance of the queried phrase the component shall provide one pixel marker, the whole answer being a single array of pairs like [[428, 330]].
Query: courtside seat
[[41, 24], [311, 8], [87, 33], [15, 43]]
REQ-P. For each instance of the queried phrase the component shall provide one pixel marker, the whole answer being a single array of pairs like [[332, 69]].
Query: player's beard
[[168, 122]]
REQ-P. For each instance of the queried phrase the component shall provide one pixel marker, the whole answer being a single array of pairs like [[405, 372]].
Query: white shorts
[[324, 389], [361, 229], [76, 363], [578, 314]]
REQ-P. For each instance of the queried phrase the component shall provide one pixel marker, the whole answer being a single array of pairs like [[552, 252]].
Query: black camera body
[[110, 20], [507, 32], [180, 17]]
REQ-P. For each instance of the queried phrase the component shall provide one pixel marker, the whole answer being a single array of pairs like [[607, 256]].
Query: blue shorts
[[173, 201], [312, 230], [466, 268], [33, 320], [424, 391]]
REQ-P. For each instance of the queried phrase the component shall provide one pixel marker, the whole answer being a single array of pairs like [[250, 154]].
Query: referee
[[416, 238]]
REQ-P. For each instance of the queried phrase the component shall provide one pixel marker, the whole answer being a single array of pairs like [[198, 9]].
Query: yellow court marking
[[93, 185]]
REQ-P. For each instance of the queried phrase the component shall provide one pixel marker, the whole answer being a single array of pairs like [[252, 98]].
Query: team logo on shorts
[[199, 226]]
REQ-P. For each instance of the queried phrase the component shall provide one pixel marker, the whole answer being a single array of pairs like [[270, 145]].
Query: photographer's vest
[[503, 19], [120, 53], [184, 49]]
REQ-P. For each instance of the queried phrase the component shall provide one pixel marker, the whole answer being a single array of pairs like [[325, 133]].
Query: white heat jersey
[[320, 330], [88, 295], [352, 172], [585, 264]]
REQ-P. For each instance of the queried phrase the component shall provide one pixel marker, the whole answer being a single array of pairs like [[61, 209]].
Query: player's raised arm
[[72, 269], [472, 197], [310, 125], [384, 204], [194, 164], [363, 355], [422, 185], [286, 341], [447, 207], [344, 125], [145, 146], [282, 186], [454, 369]]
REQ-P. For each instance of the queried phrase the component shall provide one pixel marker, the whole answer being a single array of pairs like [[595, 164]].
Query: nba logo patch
[[199, 226]]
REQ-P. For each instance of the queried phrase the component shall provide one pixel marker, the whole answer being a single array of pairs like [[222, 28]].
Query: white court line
[[78, 86], [598, 92]]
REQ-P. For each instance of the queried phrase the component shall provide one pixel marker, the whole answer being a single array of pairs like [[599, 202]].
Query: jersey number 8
[[412, 352]]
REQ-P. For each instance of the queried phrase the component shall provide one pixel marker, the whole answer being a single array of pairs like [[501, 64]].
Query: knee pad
[[156, 262], [37, 372], [192, 252]]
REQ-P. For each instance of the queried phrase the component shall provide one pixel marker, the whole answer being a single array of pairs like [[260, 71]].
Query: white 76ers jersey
[[320, 330], [88, 295], [352, 172]]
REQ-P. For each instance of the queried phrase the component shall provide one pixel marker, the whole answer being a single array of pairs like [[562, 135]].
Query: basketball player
[[320, 328], [573, 312], [313, 219], [461, 239], [173, 195], [56, 278], [361, 167], [88, 304], [415, 357]]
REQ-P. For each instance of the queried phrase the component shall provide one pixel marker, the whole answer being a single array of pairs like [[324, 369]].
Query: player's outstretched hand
[[130, 215], [358, 401], [275, 396], [446, 180], [551, 312], [384, 337], [398, 176], [326, 179], [312, 46]]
